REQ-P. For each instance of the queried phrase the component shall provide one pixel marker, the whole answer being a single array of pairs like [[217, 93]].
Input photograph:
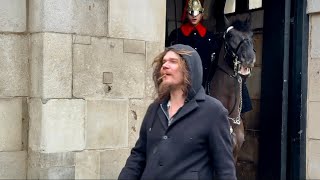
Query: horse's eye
[[229, 35]]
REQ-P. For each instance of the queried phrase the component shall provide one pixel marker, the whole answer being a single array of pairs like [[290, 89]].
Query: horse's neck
[[224, 86]]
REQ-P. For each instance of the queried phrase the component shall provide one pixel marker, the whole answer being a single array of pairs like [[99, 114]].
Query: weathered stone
[[86, 40], [111, 162], [313, 161], [106, 55], [107, 124], [10, 124], [57, 126], [38, 162], [152, 50], [14, 76], [87, 165], [51, 65], [85, 17], [134, 46], [13, 165], [254, 83], [57, 173], [35, 126], [314, 35], [313, 80], [13, 16], [25, 124], [47, 160], [131, 20], [137, 110], [313, 120], [313, 6]]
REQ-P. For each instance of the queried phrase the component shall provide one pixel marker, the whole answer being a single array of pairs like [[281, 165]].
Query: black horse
[[236, 59]]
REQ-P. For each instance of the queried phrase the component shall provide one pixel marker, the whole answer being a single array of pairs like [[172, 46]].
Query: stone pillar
[[90, 83], [14, 80], [313, 100]]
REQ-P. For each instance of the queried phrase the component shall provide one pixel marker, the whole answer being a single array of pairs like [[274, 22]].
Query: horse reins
[[236, 76]]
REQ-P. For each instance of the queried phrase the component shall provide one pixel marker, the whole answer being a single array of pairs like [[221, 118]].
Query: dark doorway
[[275, 129]]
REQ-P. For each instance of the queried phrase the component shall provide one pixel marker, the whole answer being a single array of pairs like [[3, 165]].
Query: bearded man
[[185, 133]]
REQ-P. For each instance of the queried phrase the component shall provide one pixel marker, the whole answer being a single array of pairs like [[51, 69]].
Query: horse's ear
[[226, 22]]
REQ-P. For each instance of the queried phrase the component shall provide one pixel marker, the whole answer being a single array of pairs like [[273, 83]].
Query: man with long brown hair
[[185, 133]]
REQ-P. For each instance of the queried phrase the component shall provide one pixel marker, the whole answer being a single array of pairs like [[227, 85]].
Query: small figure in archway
[[193, 33]]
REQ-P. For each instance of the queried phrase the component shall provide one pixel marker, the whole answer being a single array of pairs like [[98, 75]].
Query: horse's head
[[239, 47]]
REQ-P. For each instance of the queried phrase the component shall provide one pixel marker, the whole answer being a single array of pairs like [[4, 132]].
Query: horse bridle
[[236, 66], [229, 50]]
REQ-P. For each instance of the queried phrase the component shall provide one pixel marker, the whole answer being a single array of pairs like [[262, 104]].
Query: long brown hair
[[164, 92]]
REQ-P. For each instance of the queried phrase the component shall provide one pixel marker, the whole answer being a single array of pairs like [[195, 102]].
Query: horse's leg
[[238, 139]]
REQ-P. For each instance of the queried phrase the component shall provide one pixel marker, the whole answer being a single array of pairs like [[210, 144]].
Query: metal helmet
[[195, 7]]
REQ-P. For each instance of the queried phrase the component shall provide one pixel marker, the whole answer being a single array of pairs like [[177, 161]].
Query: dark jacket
[[196, 145], [202, 40]]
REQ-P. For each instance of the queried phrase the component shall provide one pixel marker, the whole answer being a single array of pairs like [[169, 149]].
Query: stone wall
[[75, 82], [14, 81], [313, 101]]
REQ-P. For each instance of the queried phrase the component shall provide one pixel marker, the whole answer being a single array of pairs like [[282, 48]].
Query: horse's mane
[[243, 26]]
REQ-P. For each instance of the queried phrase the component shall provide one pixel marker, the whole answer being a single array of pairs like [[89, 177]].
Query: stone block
[[134, 46], [153, 49], [51, 65], [107, 124], [143, 20], [10, 124], [314, 35], [313, 161], [252, 118], [254, 83], [13, 165], [313, 123], [313, 80], [87, 165], [25, 124], [14, 76], [86, 40], [85, 17], [58, 173], [57, 125], [39, 163], [313, 6], [258, 43], [111, 162], [106, 55], [137, 110], [13, 16], [47, 160]]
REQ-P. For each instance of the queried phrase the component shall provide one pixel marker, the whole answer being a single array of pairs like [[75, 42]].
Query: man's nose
[[165, 65]]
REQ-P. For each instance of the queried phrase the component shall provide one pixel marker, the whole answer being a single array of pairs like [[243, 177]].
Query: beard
[[165, 89]]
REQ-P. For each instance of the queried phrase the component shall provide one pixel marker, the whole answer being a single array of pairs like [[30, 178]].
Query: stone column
[[90, 83], [313, 98], [14, 79]]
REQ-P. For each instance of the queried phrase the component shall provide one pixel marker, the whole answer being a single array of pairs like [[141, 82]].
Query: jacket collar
[[188, 28], [186, 109]]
